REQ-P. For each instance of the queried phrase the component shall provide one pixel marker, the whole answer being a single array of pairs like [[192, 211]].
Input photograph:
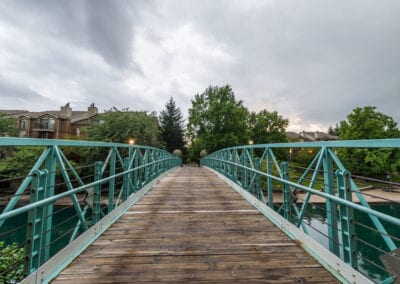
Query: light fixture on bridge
[[251, 142], [131, 141]]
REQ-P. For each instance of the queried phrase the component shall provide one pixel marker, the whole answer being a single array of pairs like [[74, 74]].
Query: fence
[[365, 238], [73, 188]]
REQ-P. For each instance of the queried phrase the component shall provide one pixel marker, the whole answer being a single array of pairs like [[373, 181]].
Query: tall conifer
[[172, 126]]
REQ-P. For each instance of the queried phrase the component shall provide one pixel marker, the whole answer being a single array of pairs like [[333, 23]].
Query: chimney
[[66, 111], [316, 135], [92, 110]]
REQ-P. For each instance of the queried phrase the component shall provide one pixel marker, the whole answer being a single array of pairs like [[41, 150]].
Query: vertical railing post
[[96, 207], [269, 180], [36, 224], [246, 172], [259, 192], [50, 165], [130, 164], [141, 170], [111, 183], [330, 205], [286, 191], [235, 167], [136, 171], [347, 219], [146, 168], [125, 181]]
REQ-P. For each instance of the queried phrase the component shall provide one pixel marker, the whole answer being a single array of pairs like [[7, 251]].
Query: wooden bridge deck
[[192, 227]]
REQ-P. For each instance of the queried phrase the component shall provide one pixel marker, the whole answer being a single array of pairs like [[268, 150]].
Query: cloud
[[13, 94], [311, 61]]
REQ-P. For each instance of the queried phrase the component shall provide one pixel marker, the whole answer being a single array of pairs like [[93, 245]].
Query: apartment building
[[54, 124]]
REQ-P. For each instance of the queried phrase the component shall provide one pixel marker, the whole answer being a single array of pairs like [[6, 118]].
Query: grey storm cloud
[[14, 91], [15, 95], [312, 61], [104, 26]]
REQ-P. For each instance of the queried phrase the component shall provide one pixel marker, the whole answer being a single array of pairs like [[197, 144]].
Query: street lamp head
[[251, 142], [131, 141]]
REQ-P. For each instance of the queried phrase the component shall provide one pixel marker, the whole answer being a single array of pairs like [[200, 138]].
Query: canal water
[[64, 221], [369, 240]]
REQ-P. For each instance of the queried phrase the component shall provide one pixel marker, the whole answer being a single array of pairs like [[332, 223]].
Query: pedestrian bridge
[[132, 214]]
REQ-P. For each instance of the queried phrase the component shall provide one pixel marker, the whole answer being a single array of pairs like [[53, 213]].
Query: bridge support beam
[[36, 236], [331, 212], [347, 219]]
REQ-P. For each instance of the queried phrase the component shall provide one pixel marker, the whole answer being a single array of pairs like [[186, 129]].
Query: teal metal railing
[[289, 188], [58, 199]]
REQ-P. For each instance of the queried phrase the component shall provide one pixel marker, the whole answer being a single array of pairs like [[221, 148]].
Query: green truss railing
[[256, 169], [122, 171]]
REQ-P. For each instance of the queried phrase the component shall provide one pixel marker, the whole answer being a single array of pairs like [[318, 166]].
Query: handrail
[[121, 172], [256, 169]]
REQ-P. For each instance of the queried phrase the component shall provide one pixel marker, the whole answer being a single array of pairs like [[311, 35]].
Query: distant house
[[54, 124], [310, 136]]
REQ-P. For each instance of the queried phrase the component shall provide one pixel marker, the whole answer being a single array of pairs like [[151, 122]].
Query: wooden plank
[[193, 227]]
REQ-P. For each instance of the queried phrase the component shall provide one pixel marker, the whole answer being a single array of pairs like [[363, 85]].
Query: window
[[47, 123], [22, 124]]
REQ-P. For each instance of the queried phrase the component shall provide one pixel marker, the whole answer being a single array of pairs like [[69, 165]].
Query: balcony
[[44, 126]]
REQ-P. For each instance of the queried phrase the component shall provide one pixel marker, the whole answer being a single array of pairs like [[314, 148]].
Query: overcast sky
[[312, 61]]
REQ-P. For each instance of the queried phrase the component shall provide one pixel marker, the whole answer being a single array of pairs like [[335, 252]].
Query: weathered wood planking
[[192, 227]]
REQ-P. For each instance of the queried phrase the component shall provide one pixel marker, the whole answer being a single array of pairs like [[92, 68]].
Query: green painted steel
[[36, 225], [286, 195], [250, 171], [347, 219], [134, 166]]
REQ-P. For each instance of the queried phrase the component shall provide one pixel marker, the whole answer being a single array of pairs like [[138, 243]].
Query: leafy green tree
[[172, 126], [268, 127], [367, 123], [217, 120], [11, 263], [7, 125], [120, 126], [20, 163]]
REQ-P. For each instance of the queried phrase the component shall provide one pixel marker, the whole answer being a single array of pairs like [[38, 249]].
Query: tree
[[119, 126], [217, 120], [367, 123], [333, 131], [7, 126], [268, 127], [20, 163], [172, 126]]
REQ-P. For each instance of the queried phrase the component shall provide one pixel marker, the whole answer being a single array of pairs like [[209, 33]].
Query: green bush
[[11, 263]]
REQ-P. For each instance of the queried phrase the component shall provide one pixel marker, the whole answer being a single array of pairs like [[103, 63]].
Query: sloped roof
[[81, 116], [13, 112]]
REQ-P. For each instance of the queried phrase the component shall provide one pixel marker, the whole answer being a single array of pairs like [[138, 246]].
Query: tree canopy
[[367, 123], [268, 127], [217, 120], [172, 126], [7, 125], [120, 126]]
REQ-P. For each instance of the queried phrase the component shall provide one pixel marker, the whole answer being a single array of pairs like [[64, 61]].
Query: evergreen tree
[[172, 126]]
